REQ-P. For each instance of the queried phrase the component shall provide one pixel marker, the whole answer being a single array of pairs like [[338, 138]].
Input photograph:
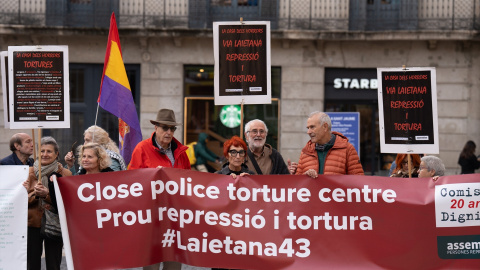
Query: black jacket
[[226, 170]]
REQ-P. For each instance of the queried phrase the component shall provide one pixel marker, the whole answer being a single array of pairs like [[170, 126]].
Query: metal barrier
[[327, 15]]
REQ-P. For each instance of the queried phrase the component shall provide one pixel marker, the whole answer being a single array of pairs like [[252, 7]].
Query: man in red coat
[[161, 150], [327, 152]]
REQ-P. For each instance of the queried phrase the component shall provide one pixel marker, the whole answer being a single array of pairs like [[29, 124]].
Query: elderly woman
[[96, 134], [431, 166], [402, 166], [94, 159], [39, 199], [235, 150]]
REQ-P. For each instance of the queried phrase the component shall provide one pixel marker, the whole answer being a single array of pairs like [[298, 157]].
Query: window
[[84, 89]]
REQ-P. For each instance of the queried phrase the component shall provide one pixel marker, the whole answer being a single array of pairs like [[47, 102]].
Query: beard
[[259, 143]]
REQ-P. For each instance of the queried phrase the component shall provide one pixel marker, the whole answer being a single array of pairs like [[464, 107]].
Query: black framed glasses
[[165, 128], [234, 153]]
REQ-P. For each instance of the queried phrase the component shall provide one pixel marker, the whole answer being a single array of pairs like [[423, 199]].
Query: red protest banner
[[140, 217]]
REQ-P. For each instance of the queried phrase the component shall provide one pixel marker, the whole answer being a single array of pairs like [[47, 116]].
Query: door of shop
[[355, 90]]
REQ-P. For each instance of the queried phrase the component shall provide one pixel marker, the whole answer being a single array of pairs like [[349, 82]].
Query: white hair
[[434, 163], [247, 125], [323, 118]]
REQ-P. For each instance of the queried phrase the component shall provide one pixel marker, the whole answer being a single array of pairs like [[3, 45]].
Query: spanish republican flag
[[116, 96]]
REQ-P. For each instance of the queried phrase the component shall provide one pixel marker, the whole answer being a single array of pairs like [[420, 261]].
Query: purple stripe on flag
[[118, 100], [129, 142]]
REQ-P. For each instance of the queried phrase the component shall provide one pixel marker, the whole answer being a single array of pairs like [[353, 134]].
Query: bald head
[[21, 144]]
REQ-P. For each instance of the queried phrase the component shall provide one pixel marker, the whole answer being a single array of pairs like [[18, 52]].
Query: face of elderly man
[[164, 134], [257, 135], [318, 132], [26, 146]]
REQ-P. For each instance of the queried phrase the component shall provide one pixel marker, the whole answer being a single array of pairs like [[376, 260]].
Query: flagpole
[[94, 127]]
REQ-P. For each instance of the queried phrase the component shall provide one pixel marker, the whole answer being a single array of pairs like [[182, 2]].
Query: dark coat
[[278, 166], [14, 160], [469, 165], [226, 170]]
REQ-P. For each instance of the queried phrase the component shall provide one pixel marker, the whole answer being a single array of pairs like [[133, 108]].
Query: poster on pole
[[347, 123], [38, 87], [407, 102], [242, 62], [3, 69]]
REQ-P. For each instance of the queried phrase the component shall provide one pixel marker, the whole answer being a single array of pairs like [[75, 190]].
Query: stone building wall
[[303, 62]]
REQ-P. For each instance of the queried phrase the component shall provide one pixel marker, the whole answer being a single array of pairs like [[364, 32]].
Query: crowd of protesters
[[327, 152]]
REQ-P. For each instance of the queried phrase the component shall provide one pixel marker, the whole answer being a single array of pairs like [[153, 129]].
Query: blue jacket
[[14, 160]]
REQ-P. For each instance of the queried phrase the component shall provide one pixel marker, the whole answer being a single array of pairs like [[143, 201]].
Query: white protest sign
[[39, 87], [13, 217]]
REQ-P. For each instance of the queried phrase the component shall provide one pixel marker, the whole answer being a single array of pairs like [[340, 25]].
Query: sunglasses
[[234, 153], [165, 128]]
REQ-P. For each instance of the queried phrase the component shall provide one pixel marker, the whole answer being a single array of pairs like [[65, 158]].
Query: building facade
[[324, 56]]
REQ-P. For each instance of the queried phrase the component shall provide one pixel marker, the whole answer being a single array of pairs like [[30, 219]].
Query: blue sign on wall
[[347, 123]]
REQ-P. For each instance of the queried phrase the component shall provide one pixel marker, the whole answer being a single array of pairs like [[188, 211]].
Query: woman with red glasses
[[235, 150]]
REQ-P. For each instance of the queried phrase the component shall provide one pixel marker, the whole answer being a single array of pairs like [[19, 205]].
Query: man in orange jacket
[[327, 152]]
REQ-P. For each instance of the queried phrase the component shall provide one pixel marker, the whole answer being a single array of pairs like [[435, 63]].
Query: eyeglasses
[[165, 128], [234, 153], [256, 131]]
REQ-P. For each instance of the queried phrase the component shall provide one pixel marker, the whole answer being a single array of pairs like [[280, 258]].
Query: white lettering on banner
[[338, 195], [346, 223], [457, 205], [350, 83], [109, 192], [185, 189], [238, 247], [128, 218], [88, 192], [245, 194], [187, 216]]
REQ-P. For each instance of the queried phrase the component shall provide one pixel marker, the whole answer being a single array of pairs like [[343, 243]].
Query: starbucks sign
[[230, 115]]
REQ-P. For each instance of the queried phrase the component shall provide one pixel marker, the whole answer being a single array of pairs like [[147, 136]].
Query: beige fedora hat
[[165, 117]]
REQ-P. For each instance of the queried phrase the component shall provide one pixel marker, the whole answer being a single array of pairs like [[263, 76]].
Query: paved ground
[[63, 266]]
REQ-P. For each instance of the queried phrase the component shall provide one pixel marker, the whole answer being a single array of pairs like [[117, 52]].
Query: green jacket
[[202, 153]]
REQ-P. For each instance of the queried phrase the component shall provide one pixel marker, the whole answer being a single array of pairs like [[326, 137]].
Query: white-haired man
[[262, 158]]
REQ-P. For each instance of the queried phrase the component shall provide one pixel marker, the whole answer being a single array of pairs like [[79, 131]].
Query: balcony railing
[[329, 15]]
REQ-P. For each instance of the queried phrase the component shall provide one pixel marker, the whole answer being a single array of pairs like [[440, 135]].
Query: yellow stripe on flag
[[115, 68]]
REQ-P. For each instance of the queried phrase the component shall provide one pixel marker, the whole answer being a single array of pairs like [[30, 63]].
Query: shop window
[[201, 115]]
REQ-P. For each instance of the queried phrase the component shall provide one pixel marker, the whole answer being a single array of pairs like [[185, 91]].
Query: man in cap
[[161, 150], [21, 145]]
